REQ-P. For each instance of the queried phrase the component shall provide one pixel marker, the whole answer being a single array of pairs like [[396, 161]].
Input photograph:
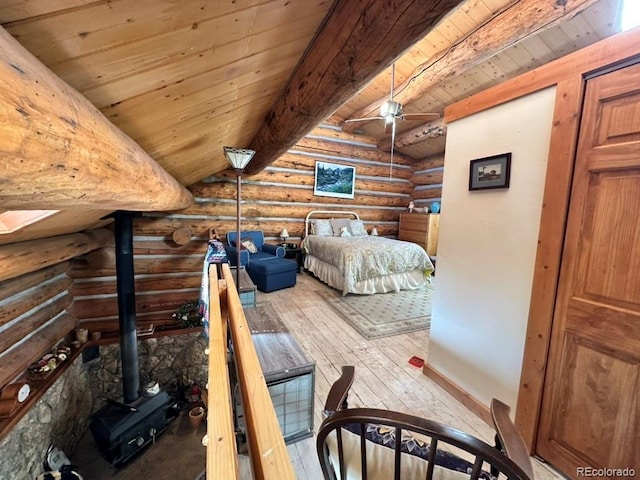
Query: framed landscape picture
[[490, 172], [333, 180]]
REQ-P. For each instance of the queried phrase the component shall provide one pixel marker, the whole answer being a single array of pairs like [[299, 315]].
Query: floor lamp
[[238, 158]]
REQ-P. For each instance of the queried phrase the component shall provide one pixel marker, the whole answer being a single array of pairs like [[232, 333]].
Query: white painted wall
[[486, 248]]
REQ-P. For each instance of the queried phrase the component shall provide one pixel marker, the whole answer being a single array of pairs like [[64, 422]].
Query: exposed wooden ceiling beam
[[415, 135], [58, 151], [505, 29], [357, 40]]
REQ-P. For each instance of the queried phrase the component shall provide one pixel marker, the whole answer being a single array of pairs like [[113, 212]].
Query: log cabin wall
[[33, 316], [169, 247], [35, 296], [167, 275], [427, 180], [282, 194], [168, 272]]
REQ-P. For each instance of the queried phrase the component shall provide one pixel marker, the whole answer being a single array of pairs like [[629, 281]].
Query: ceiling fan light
[[390, 109]]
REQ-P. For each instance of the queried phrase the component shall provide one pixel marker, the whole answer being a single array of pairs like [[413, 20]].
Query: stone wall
[[61, 416], [171, 361]]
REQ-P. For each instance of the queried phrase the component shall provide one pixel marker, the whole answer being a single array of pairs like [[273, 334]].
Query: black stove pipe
[[127, 306]]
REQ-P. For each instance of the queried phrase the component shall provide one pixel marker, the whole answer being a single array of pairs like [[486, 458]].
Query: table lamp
[[284, 235]]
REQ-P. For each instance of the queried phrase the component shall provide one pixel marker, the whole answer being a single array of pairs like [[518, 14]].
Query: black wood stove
[[123, 429]]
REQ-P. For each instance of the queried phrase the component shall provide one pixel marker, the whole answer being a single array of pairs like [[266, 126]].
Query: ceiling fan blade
[[420, 116], [365, 119]]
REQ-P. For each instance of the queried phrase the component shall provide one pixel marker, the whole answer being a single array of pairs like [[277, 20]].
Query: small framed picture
[[490, 172]]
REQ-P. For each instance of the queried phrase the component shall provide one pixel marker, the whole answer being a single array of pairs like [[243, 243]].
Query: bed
[[358, 262]]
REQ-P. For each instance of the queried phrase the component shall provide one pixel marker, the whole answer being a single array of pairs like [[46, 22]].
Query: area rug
[[384, 314]]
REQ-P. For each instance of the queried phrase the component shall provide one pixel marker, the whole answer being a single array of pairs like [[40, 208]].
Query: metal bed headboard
[[326, 214]]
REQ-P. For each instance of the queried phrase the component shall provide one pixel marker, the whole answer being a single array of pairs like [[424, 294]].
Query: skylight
[[14, 220], [630, 14]]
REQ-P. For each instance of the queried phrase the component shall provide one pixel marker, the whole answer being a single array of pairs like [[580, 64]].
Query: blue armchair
[[262, 250]]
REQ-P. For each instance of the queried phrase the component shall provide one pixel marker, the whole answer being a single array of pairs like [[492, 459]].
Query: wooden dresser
[[420, 228]]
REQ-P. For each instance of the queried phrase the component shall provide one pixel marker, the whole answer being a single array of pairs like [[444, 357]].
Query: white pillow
[[322, 228], [357, 227], [248, 244]]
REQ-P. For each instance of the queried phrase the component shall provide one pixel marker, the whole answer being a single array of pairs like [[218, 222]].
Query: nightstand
[[296, 253]]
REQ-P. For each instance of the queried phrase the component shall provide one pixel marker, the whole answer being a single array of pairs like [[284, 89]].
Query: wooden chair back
[[344, 426]]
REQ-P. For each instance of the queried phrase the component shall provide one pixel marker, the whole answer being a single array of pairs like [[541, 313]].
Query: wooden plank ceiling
[[184, 77], [480, 44]]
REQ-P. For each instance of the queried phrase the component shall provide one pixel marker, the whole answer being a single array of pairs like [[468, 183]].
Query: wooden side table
[[297, 253], [247, 290], [289, 375]]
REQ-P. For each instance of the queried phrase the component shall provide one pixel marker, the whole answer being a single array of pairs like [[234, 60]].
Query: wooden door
[[590, 417]]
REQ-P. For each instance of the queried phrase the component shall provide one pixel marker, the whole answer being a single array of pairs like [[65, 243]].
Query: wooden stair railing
[[222, 455], [267, 450]]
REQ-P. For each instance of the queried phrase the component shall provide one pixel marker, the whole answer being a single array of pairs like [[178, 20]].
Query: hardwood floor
[[384, 378]]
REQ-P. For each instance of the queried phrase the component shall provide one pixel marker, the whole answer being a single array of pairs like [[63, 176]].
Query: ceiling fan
[[390, 111]]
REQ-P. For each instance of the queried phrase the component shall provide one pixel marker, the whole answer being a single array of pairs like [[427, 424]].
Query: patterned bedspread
[[365, 257]]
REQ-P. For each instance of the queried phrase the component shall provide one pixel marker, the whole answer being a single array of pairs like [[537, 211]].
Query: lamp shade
[[238, 157], [284, 234]]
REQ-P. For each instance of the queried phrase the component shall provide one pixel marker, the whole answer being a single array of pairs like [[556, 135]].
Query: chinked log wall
[[168, 275], [427, 180], [35, 294], [281, 195]]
